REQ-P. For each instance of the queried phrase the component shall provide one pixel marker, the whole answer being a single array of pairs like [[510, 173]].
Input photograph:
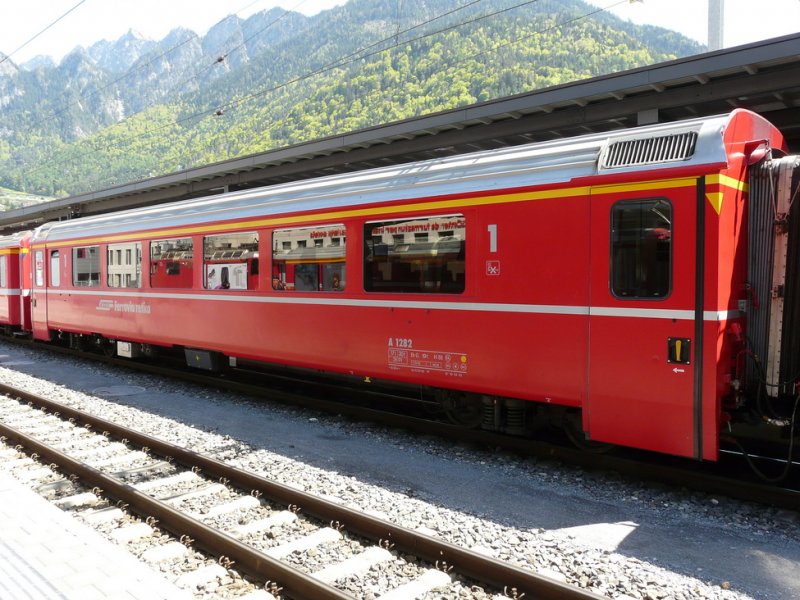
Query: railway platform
[[47, 555]]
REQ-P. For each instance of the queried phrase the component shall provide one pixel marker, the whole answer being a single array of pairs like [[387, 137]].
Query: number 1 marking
[[492, 229]]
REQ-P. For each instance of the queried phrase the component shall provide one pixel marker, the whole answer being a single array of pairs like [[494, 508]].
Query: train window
[[309, 259], [55, 269], [86, 266], [3, 272], [420, 255], [231, 261], [171, 263], [124, 265], [38, 267], [641, 248]]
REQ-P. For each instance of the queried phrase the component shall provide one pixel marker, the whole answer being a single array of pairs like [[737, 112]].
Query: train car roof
[[651, 148], [12, 241]]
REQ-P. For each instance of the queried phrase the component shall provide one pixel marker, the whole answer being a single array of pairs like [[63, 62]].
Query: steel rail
[[294, 582], [465, 562]]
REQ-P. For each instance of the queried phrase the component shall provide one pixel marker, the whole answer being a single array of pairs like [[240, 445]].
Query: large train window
[[231, 261], [3, 272], [124, 265], [309, 259], [420, 255], [171, 263], [86, 266], [641, 248]]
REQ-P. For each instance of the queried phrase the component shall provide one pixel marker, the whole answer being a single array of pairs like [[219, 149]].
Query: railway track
[[212, 506]]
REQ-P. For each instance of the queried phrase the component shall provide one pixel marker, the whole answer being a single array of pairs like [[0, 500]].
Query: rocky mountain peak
[[119, 55]]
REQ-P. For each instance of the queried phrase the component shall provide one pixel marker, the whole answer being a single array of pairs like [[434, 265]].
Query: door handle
[[679, 351]]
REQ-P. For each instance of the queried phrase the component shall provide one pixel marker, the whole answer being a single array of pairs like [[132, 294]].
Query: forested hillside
[[131, 109]]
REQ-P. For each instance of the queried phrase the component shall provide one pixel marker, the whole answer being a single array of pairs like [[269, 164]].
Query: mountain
[[132, 108], [11, 200], [118, 56], [39, 62]]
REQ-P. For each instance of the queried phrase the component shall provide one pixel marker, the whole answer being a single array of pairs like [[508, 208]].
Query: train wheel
[[77, 342], [461, 409]]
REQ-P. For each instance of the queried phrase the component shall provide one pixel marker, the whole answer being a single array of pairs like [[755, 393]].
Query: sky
[[93, 20], [745, 21]]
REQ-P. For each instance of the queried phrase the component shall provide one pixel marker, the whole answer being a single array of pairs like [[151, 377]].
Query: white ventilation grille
[[648, 151]]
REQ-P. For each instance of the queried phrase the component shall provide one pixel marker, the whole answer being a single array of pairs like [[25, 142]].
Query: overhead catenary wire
[[181, 83], [220, 57], [357, 56], [222, 109], [361, 54], [41, 32]]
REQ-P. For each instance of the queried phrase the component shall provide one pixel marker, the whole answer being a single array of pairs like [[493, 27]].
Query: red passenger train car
[[630, 283], [15, 282]]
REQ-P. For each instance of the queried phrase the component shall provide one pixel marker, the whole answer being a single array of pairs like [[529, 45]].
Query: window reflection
[[421, 255], [231, 261], [171, 263], [124, 265], [641, 248], [85, 266], [309, 259]]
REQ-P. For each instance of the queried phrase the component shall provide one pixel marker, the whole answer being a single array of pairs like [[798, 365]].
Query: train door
[[25, 282], [39, 294], [643, 336]]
